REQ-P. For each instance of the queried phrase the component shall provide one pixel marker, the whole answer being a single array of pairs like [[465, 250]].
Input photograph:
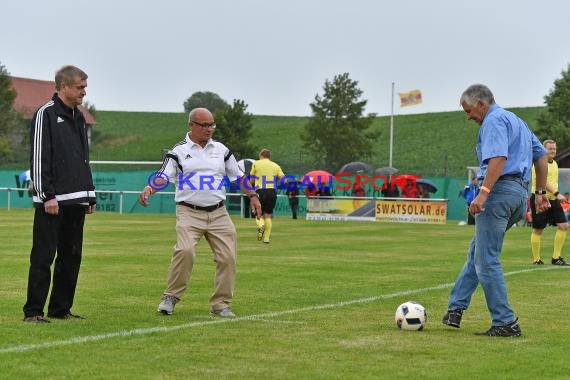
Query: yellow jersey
[[267, 174], [551, 179]]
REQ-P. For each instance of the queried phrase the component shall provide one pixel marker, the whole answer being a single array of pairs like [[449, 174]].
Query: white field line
[[151, 330]]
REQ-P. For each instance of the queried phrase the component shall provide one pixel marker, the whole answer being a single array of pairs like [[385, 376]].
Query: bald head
[[199, 114]]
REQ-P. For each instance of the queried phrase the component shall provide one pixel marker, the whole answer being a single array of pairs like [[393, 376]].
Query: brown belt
[[202, 208]]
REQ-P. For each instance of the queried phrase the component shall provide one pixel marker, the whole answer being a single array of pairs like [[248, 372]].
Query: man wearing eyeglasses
[[199, 167]]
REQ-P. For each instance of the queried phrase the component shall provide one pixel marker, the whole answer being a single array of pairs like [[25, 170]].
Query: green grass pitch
[[317, 303]]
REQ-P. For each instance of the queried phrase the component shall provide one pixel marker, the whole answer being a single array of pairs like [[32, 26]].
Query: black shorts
[[268, 199], [554, 215]]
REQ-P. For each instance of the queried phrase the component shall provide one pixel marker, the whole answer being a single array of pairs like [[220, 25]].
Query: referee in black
[[63, 194]]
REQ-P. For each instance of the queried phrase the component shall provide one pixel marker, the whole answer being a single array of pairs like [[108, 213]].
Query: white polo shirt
[[200, 173]]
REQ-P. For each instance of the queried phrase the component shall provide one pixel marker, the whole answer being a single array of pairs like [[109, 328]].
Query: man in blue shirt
[[506, 150]]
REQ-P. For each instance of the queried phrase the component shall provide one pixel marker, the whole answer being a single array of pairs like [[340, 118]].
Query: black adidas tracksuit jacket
[[59, 158], [60, 169]]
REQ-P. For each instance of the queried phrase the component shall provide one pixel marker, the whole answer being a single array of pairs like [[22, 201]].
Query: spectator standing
[[390, 190], [566, 206], [358, 190], [410, 189], [293, 198], [63, 193], [469, 193]]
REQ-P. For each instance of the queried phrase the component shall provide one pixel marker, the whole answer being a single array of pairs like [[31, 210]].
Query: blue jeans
[[504, 207]]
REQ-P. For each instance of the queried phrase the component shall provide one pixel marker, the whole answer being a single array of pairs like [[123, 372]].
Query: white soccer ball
[[411, 316]]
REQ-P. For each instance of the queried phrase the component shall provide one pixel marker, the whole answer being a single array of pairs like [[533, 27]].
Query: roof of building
[[33, 93], [563, 158]]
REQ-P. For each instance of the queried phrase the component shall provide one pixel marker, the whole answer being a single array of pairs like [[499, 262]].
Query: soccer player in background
[[554, 216], [265, 176]]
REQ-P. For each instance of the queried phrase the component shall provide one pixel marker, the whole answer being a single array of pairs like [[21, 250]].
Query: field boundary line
[[159, 329]]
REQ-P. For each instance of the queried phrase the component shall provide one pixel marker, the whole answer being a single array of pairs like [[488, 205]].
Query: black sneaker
[[452, 318], [538, 262], [559, 261], [511, 330]]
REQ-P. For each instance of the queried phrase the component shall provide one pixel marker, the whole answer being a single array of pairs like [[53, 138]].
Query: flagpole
[[391, 127]]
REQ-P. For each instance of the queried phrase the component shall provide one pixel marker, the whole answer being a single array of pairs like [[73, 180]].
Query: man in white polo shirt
[[200, 167]]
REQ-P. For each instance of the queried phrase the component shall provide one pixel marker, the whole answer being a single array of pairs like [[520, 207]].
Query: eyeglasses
[[204, 125]]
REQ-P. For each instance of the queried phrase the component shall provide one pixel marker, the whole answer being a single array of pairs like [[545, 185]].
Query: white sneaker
[[167, 304], [224, 313]]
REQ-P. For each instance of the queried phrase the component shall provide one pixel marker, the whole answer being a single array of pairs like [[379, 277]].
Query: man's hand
[[541, 203], [256, 207], [476, 205], [51, 207], [144, 195]]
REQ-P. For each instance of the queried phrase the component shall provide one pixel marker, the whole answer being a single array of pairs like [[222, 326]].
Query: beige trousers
[[220, 232]]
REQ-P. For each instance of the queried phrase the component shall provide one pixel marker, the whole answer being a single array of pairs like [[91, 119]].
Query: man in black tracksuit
[[63, 194]]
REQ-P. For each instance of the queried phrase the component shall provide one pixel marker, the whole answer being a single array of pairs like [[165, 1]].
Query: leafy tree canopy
[[233, 128], [554, 120], [205, 99], [338, 131], [11, 124]]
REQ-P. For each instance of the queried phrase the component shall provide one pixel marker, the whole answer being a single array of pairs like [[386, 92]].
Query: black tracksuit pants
[[62, 233]]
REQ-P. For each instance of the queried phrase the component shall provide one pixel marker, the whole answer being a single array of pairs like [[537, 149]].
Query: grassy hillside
[[433, 144]]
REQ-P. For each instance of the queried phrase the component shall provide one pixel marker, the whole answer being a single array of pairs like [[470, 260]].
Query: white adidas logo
[[60, 120]]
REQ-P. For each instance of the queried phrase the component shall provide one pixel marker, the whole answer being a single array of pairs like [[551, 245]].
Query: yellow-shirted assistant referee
[[265, 177], [554, 215]]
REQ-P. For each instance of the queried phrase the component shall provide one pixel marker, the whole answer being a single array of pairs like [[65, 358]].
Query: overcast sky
[[276, 54]]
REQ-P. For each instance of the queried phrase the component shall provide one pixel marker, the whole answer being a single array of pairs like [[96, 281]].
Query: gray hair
[[191, 114], [475, 93], [66, 76]]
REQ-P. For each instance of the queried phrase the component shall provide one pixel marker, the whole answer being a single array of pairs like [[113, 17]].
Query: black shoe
[[36, 319], [452, 318], [511, 330], [69, 315], [538, 262], [559, 261]]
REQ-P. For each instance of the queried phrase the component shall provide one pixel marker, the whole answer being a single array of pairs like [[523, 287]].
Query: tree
[[206, 99], [337, 132], [554, 120], [90, 107], [11, 124], [233, 128]]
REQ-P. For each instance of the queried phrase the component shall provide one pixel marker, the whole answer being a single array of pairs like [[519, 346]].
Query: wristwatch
[[540, 192], [253, 195]]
